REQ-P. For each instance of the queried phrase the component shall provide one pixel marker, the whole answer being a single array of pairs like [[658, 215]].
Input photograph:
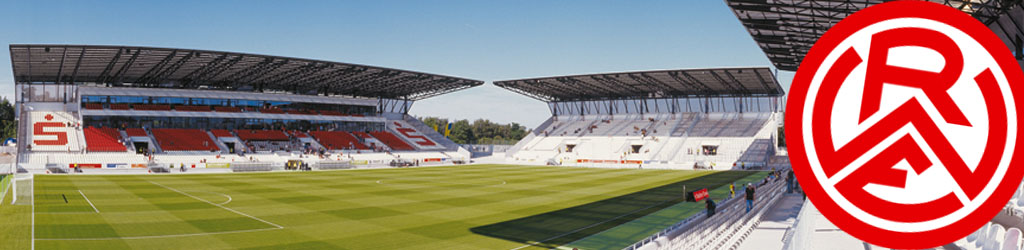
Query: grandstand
[[723, 118], [129, 107]]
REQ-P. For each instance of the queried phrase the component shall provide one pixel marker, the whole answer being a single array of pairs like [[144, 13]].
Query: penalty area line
[[90, 202]]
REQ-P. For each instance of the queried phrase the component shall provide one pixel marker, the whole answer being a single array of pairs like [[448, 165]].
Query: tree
[[480, 131], [7, 123]]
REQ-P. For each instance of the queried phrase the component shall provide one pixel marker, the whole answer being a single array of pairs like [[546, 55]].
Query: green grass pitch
[[457, 207]]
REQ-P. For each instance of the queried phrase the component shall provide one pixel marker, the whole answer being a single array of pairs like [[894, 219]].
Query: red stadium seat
[[391, 140], [272, 111], [133, 132], [337, 140], [120, 106], [362, 134], [298, 134], [332, 113], [92, 105], [103, 140], [228, 109], [158, 107], [180, 139], [221, 133], [192, 108]]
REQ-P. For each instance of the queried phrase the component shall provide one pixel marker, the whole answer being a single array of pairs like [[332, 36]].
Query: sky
[[482, 40]]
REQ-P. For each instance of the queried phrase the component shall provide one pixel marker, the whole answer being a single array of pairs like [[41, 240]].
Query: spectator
[[732, 190], [789, 182], [710, 204], [750, 196]]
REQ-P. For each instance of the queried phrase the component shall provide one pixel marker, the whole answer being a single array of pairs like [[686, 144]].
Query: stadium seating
[[261, 135], [103, 140], [391, 140], [298, 134], [332, 112], [336, 140], [729, 125], [135, 132], [362, 134], [157, 107], [271, 110], [227, 109], [92, 105], [192, 108], [730, 225], [1013, 239], [221, 133], [177, 139], [301, 112], [120, 106]]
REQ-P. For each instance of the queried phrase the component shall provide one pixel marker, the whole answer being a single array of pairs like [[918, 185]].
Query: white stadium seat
[[1013, 239]]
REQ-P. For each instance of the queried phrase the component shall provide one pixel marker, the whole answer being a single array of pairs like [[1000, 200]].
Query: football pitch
[[455, 207]]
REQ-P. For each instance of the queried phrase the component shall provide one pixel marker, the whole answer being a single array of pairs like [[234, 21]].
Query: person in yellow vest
[[732, 190]]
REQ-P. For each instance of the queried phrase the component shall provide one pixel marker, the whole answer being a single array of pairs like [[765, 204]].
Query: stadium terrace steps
[[176, 139], [391, 140], [336, 140], [103, 140]]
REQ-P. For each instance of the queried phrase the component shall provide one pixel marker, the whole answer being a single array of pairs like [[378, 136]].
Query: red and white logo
[[902, 124], [39, 130]]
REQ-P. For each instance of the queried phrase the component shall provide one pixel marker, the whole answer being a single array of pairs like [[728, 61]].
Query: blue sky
[[483, 40]]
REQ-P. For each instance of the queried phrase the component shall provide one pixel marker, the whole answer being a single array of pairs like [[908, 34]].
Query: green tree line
[[8, 125], [481, 131]]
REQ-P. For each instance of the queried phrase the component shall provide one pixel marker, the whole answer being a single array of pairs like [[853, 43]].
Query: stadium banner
[[85, 165], [698, 195], [432, 160], [218, 165], [360, 162], [136, 165], [448, 131], [117, 165], [610, 161]]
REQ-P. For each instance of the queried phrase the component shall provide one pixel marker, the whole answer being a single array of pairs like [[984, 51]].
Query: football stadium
[[140, 147]]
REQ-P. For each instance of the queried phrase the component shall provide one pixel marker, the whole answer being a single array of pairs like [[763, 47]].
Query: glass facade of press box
[[344, 109], [45, 92], [122, 122]]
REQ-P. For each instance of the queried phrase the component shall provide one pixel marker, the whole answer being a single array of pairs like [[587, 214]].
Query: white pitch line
[[33, 197], [584, 228], [218, 205], [162, 236], [90, 202], [221, 194]]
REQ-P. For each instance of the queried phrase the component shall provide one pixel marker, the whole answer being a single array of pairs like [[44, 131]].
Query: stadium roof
[[133, 66], [649, 84], [786, 29]]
